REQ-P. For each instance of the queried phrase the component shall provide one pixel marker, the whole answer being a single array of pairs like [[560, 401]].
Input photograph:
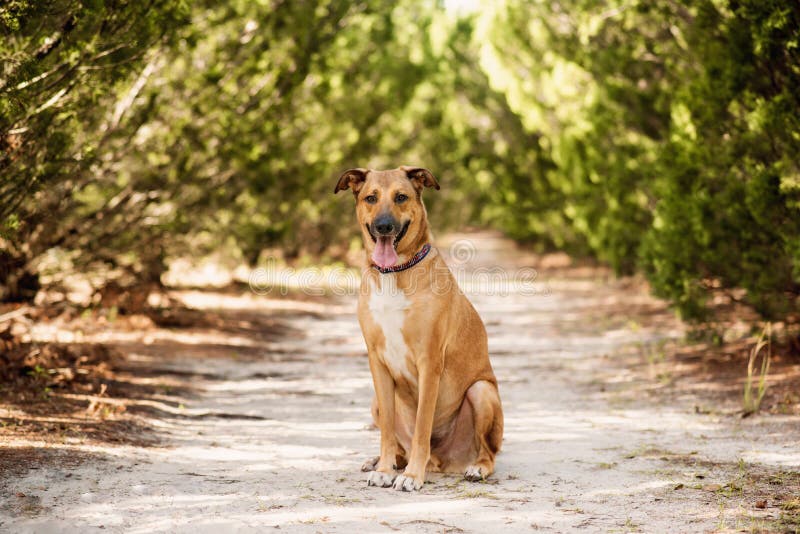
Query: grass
[[749, 485], [649, 451], [313, 520], [721, 523], [476, 494], [655, 354], [792, 505], [606, 465], [630, 526], [753, 395], [339, 500], [789, 519]]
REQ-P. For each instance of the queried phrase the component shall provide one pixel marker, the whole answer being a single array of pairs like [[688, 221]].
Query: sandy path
[[582, 450]]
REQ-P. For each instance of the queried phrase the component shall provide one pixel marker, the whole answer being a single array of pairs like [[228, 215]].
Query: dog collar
[[415, 259]]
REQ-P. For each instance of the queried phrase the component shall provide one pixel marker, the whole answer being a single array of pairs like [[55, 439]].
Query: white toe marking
[[380, 479], [473, 473], [404, 483]]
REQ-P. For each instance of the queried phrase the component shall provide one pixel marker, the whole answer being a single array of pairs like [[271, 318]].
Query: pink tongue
[[384, 254]]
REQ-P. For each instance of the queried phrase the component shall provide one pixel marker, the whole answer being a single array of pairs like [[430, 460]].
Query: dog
[[436, 403]]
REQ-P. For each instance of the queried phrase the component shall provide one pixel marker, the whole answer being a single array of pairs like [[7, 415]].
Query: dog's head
[[390, 211]]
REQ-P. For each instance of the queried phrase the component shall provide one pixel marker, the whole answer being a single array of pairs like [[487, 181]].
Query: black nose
[[384, 225]]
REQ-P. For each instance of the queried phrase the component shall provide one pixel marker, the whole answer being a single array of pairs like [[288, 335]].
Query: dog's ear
[[353, 179], [420, 177]]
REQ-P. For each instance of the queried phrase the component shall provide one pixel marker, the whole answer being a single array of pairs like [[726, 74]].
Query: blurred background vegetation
[[658, 136]]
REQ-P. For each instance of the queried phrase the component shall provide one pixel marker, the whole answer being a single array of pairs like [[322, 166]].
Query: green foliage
[[257, 116], [676, 139], [65, 68], [728, 168], [658, 136]]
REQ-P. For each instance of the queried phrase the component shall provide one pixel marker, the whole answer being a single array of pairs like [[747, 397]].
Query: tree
[[674, 131], [64, 65]]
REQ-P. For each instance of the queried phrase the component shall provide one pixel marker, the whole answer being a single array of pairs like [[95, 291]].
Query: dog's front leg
[[384, 473], [414, 475]]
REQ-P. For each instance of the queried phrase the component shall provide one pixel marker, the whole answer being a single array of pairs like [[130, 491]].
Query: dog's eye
[[400, 198], [370, 199]]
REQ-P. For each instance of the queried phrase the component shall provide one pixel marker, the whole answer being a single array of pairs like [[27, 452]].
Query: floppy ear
[[420, 177], [353, 178]]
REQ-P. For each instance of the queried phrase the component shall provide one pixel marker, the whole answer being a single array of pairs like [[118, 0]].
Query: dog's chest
[[388, 305]]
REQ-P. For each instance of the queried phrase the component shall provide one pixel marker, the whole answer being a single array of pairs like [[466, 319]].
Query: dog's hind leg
[[488, 424]]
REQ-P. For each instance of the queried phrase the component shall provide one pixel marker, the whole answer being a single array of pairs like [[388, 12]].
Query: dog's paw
[[407, 483], [380, 479], [371, 464], [474, 474]]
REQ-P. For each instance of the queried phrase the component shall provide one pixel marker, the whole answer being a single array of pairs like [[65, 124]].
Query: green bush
[[677, 150], [657, 136], [66, 68]]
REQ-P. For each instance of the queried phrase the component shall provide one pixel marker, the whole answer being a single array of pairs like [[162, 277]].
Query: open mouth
[[385, 253], [397, 237]]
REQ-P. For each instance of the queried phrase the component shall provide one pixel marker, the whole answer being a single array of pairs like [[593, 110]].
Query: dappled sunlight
[[276, 436], [643, 487], [205, 300], [53, 333], [191, 194], [789, 458]]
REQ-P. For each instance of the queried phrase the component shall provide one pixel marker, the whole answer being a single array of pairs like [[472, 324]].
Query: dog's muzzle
[[387, 226]]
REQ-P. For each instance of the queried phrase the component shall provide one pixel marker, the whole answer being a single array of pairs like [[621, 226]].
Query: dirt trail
[[277, 441]]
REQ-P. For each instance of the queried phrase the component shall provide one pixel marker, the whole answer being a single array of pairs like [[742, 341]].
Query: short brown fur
[[443, 411]]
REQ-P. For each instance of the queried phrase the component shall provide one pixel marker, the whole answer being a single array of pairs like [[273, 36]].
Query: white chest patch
[[388, 306]]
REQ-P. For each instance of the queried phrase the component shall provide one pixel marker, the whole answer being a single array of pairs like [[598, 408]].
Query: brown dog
[[436, 400]]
